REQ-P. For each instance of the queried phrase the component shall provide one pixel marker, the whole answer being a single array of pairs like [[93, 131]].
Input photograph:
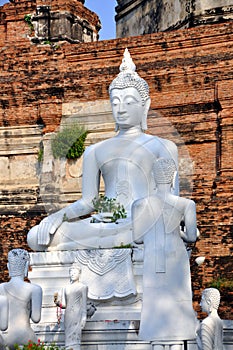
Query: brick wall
[[191, 87]]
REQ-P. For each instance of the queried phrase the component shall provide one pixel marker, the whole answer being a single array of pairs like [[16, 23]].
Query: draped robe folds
[[167, 312], [75, 297], [210, 334]]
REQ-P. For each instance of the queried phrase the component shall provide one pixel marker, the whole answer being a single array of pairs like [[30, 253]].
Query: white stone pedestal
[[174, 345], [116, 321]]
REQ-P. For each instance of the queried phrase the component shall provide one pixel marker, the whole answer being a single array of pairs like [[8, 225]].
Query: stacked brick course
[[191, 85]]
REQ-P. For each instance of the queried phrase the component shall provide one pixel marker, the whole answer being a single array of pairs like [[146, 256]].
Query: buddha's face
[[127, 107], [204, 304], [74, 274]]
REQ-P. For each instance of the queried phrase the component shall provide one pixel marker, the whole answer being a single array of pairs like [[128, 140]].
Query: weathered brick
[[191, 86]]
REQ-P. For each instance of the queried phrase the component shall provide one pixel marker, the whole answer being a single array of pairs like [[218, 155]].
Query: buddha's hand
[[48, 226]]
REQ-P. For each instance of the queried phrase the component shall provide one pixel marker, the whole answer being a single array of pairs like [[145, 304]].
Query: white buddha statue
[[167, 313], [74, 301], [24, 300], [124, 161], [210, 332]]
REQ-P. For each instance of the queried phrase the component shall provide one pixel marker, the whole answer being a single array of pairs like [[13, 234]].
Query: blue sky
[[105, 9]]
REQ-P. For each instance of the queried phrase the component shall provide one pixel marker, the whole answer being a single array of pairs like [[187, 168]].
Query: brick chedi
[[137, 17], [62, 20], [191, 86], [50, 21]]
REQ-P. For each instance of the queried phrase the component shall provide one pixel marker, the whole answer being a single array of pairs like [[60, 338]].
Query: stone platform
[[115, 324]]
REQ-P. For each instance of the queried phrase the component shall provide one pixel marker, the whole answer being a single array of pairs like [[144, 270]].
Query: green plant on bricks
[[28, 20], [69, 142]]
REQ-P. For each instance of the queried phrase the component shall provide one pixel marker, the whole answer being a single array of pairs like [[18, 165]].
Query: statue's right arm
[[36, 303], [83, 206], [61, 303]]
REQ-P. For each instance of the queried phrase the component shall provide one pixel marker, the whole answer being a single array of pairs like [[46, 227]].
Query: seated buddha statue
[[24, 301], [124, 162]]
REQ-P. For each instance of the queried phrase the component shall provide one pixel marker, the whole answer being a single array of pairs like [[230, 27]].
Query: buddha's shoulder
[[94, 147], [164, 141], [143, 138], [158, 141]]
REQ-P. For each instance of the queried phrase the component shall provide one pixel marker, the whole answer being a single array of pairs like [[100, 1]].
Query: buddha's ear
[[147, 105], [209, 303], [26, 269], [175, 183], [9, 269], [116, 127], [145, 112], [174, 180]]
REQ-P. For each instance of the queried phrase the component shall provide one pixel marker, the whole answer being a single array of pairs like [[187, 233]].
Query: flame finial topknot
[[128, 77], [127, 62]]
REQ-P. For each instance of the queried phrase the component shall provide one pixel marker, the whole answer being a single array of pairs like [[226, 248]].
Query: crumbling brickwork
[[151, 16], [47, 21], [191, 86]]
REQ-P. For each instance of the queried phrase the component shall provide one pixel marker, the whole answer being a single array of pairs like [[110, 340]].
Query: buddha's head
[[210, 299], [18, 262], [129, 95], [75, 271], [164, 171]]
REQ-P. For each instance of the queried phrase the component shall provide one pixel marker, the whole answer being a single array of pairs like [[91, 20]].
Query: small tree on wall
[[69, 142]]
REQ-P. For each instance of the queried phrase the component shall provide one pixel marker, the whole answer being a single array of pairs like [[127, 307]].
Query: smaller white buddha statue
[[210, 332], [24, 301], [74, 300], [167, 313]]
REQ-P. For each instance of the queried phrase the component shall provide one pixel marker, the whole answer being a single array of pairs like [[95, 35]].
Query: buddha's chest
[[128, 154]]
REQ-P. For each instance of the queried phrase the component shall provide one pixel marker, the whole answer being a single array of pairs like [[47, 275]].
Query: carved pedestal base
[[115, 324], [114, 277], [176, 345]]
